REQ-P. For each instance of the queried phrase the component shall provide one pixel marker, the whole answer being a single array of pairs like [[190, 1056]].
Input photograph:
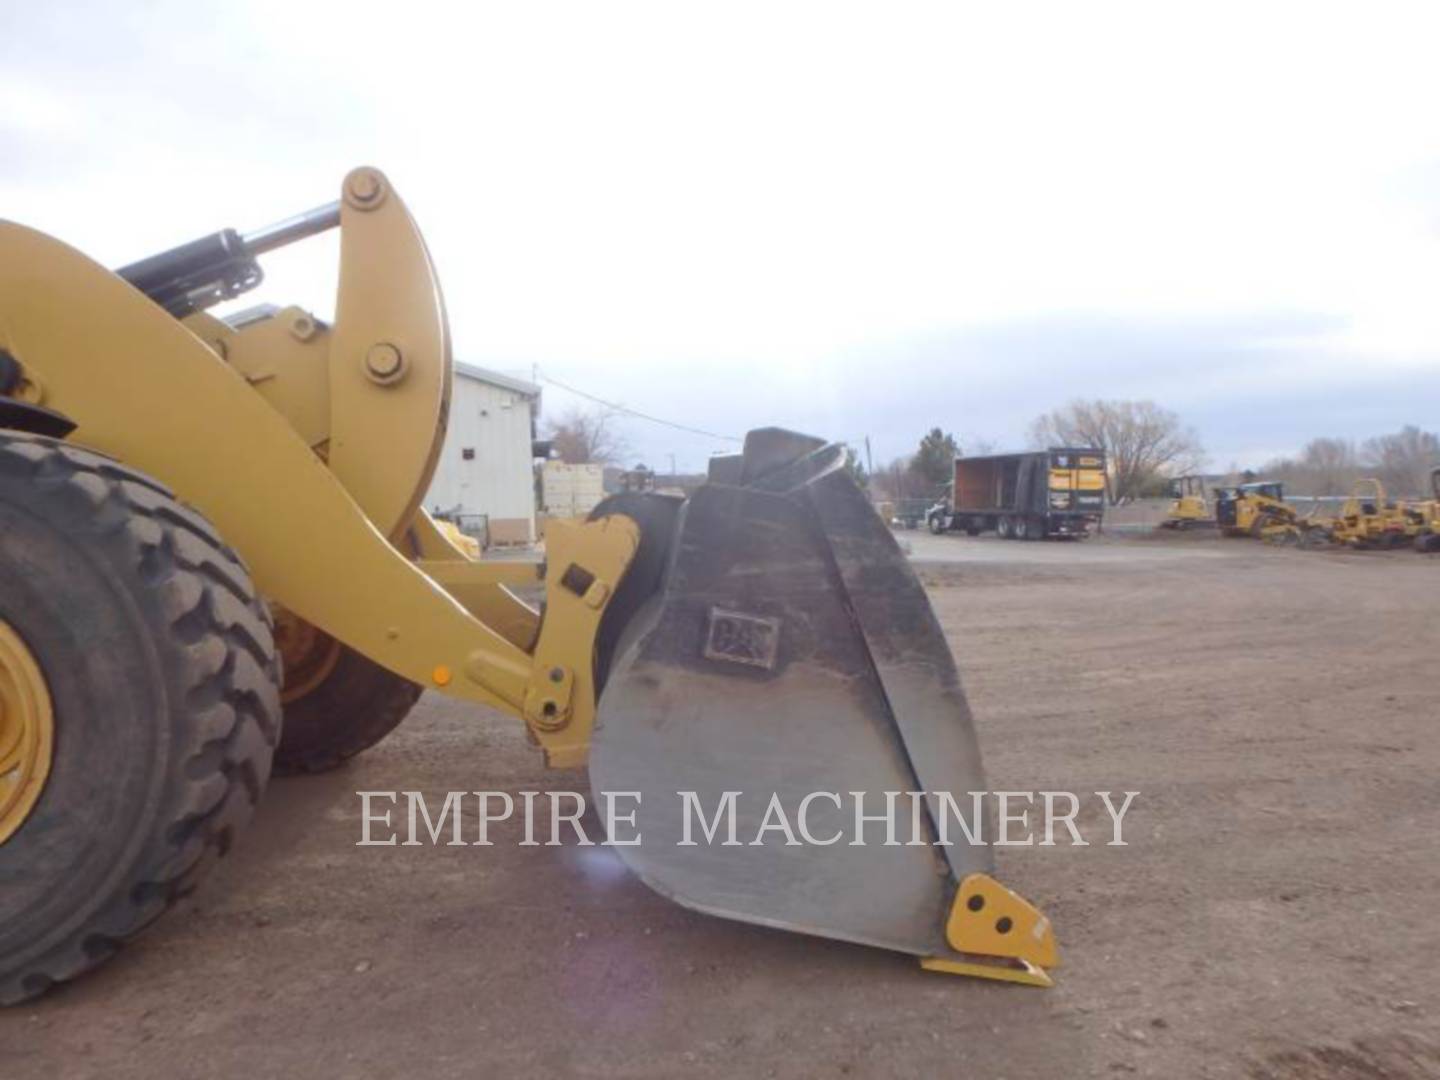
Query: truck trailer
[[1058, 492]]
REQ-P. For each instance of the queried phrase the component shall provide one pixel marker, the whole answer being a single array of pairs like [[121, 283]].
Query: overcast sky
[[851, 219]]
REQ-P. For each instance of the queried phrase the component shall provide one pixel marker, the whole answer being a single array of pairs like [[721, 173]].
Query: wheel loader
[[215, 565]]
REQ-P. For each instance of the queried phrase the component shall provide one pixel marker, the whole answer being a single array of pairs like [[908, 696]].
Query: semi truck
[[1059, 492]]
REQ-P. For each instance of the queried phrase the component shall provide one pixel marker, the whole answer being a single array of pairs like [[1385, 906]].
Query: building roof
[[494, 378]]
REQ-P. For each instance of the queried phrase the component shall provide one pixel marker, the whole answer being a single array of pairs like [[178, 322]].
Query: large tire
[[936, 523], [1005, 527], [352, 706], [162, 675]]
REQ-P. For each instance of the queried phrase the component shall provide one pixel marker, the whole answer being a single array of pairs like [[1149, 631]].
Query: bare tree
[[1331, 464], [1327, 466], [1140, 440], [1403, 460], [584, 436]]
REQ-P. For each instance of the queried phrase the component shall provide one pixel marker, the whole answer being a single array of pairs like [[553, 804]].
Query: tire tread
[[228, 723]]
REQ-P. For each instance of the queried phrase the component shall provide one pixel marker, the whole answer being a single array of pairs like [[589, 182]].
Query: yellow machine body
[[1189, 508], [1429, 514], [1370, 518], [310, 446], [1257, 510]]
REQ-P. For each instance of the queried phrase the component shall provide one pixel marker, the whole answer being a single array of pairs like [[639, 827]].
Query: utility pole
[[869, 461]]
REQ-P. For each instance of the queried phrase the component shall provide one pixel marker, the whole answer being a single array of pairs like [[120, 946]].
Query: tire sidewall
[[103, 800]]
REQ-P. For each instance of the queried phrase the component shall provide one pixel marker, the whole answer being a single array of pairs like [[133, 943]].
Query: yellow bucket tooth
[[997, 934]]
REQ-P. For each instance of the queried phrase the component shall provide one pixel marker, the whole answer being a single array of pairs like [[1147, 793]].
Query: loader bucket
[[785, 652]]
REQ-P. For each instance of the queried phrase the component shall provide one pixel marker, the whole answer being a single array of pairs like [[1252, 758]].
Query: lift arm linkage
[[317, 508]]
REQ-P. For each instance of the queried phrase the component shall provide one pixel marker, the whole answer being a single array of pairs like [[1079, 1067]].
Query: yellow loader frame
[[334, 431]]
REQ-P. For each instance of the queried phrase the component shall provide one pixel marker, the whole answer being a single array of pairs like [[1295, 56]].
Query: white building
[[486, 465]]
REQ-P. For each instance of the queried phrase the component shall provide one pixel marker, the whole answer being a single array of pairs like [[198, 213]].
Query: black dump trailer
[[1058, 492]]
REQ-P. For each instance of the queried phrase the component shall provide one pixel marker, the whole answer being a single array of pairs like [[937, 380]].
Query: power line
[[634, 412]]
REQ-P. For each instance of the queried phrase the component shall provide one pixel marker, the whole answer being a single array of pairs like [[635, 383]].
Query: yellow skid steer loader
[[190, 506], [1429, 510], [1257, 510]]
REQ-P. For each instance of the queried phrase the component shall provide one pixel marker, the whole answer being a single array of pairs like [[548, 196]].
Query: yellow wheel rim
[[27, 732], [308, 654]]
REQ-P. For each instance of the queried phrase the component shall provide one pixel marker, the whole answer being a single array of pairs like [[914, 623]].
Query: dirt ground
[[1273, 915]]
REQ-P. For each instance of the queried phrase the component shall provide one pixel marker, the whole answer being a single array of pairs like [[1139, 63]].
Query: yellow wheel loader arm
[[145, 389], [766, 632]]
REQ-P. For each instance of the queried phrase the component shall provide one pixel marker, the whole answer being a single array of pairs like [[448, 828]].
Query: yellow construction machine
[[1371, 519], [1429, 538], [190, 505], [1257, 510], [466, 544], [1189, 508]]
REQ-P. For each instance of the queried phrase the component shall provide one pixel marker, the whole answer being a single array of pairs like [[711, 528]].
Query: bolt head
[[384, 362], [364, 189], [302, 327]]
